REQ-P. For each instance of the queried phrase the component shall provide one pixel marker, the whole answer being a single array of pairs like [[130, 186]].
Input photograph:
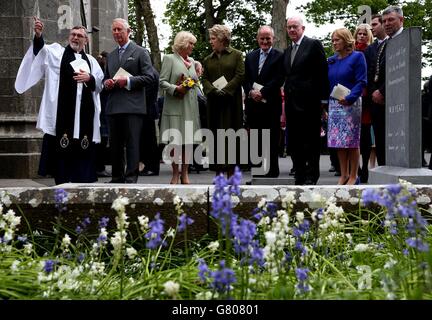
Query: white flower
[[28, 248], [207, 295], [131, 253], [15, 266], [170, 233], [33, 202], [270, 237], [171, 288], [213, 246], [362, 247], [262, 203], [144, 223], [66, 241], [300, 216], [120, 203], [177, 200], [389, 264]]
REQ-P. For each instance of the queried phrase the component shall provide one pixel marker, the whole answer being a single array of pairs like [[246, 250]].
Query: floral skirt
[[344, 123]]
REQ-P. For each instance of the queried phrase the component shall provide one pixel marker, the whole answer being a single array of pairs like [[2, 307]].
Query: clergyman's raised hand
[[38, 27]]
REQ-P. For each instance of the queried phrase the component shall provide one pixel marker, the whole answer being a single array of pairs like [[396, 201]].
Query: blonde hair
[[346, 36], [222, 33], [182, 40], [368, 28]]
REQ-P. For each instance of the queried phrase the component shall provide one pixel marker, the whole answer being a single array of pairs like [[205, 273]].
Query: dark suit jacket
[[306, 81], [270, 77], [381, 62], [136, 61]]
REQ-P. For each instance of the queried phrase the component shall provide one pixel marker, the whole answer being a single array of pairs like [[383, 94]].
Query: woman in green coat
[[225, 104], [180, 116]]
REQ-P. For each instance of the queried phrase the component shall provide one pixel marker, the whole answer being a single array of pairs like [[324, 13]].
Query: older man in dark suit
[[263, 104], [126, 103], [392, 18], [306, 92]]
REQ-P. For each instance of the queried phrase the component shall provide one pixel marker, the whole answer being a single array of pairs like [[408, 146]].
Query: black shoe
[[292, 172], [332, 169], [309, 182], [147, 173]]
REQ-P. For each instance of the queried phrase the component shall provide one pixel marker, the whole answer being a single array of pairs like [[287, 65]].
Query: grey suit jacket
[[136, 61]]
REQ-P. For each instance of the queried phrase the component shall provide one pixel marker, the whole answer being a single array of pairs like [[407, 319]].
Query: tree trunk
[[152, 33], [139, 35], [278, 23]]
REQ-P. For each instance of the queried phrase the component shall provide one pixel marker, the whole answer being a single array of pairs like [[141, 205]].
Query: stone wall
[[95, 200], [19, 140]]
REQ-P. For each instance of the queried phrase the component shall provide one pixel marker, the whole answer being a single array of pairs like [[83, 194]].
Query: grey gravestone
[[403, 112], [20, 142]]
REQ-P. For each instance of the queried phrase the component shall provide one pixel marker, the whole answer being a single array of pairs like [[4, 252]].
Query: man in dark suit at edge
[[306, 93], [263, 105], [126, 103]]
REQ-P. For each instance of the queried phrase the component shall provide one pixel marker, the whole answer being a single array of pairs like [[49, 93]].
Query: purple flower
[[49, 266], [81, 257], [22, 239], [203, 270], [222, 278], [103, 222], [302, 277], [235, 181], [417, 244], [184, 222], [83, 226], [154, 235], [60, 198], [243, 232]]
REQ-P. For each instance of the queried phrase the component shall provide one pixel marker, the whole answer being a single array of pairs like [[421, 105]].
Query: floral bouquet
[[184, 84]]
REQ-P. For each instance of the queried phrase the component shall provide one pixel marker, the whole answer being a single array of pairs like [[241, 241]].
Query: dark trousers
[[125, 132], [149, 149], [259, 120], [365, 150], [305, 139], [378, 123]]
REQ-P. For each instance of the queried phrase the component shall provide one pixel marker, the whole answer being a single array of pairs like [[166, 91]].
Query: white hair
[[123, 22]]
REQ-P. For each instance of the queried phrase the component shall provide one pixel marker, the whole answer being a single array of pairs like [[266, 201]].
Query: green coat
[[224, 112], [177, 112]]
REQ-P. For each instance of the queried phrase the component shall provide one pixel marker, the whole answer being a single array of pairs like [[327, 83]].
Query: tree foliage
[[243, 17], [417, 13]]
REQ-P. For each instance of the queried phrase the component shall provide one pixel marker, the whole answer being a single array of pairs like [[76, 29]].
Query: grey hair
[[123, 22], [182, 39], [270, 28], [222, 33], [298, 18], [391, 9]]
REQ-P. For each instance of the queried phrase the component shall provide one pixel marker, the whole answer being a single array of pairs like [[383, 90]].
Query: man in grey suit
[[126, 103]]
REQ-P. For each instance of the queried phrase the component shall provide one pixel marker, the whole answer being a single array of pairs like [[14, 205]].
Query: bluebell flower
[[103, 222], [203, 270], [394, 189], [154, 235], [235, 181], [302, 277], [184, 222], [418, 244], [60, 198], [49, 266], [22, 239], [81, 257], [222, 278], [83, 226], [243, 232]]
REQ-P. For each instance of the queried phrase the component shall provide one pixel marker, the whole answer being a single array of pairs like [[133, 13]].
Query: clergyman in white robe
[[47, 65]]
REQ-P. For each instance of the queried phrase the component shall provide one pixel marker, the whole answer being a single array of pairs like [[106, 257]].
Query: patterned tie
[[121, 51], [263, 57], [293, 52]]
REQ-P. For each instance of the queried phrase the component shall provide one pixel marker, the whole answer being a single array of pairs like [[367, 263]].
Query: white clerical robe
[[47, 64]]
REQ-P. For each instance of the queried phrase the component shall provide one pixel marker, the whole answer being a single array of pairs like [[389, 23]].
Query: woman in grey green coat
[[225, 105], [180, 115]]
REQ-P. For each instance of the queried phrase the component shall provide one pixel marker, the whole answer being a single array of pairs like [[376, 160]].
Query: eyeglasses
[[78, 35]]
